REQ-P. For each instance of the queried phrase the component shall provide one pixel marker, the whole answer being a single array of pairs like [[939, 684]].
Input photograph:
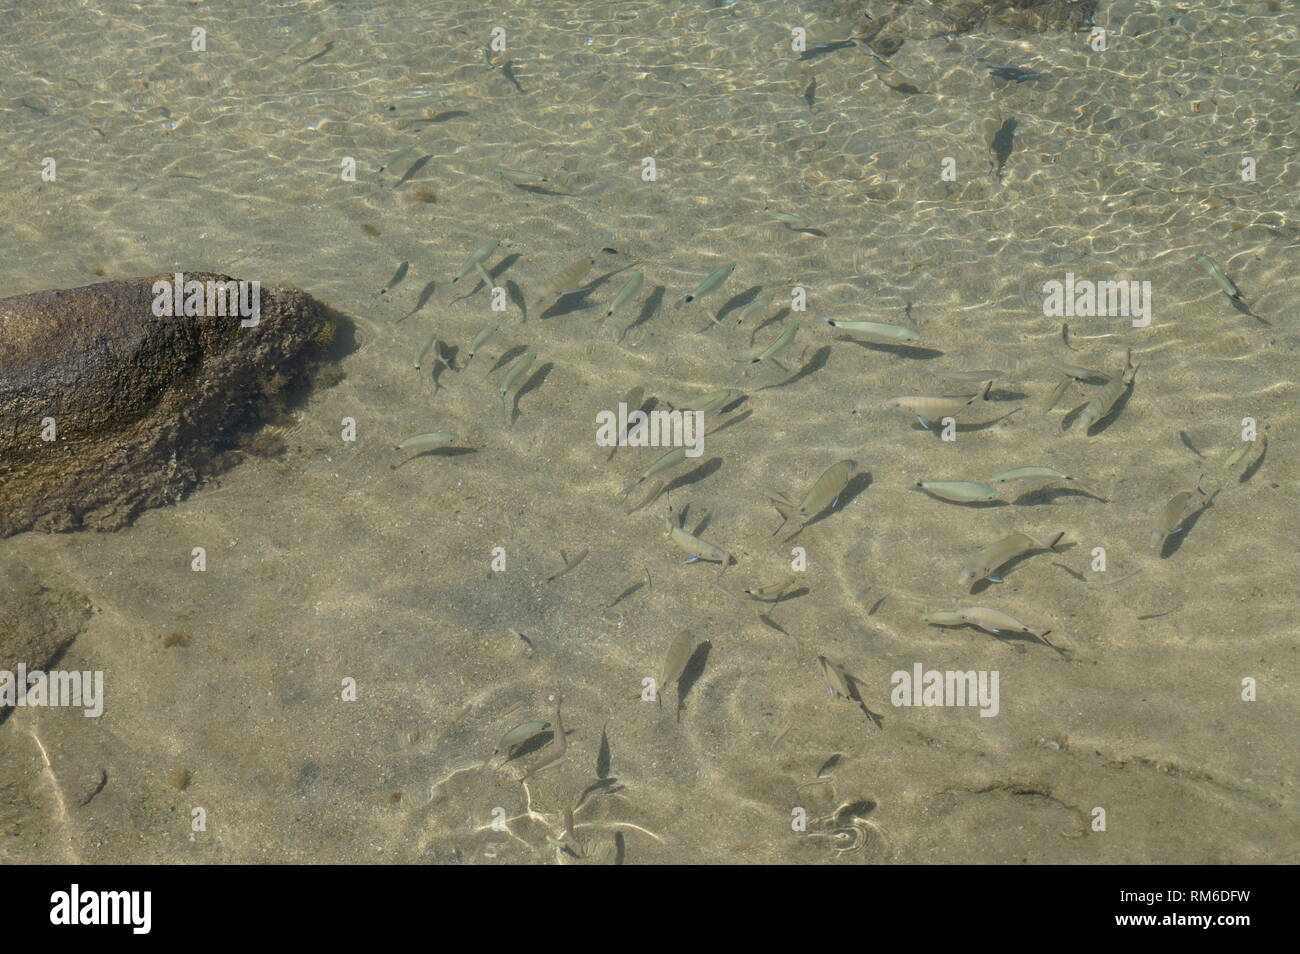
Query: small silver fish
[[711, 281], [960, 491], [396, 279]]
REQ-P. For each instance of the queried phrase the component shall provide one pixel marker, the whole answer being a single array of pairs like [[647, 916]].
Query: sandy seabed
[[326, 563]]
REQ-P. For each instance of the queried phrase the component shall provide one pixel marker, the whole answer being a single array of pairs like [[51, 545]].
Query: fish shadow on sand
[[539, 190], [566, 304], [776, 319], [1006, 569], [964, 428], [969, 504], [535, 744], [516, 296], [1041, 496], [535, 381], [506, 358], [1254, 467], [499, 268], [732, 420], [653, 303], [1173, 542], [859, 483], [703, 471], [737, 302], [813, 364], [910, 351], [691, 674], [1102, 423], [1014, 640], [576, 300]]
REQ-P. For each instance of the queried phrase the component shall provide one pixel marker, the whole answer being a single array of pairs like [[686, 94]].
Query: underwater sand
[[326, 564]]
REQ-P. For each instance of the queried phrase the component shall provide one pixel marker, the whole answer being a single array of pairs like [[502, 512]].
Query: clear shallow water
[[326, 564]]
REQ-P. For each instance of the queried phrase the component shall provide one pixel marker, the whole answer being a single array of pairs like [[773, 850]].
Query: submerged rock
[[108, 407]]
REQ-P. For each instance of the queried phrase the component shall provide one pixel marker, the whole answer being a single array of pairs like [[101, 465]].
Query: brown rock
[[143, 406]]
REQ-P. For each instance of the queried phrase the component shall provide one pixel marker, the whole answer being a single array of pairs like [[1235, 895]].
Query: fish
[[663, 462], [985, 563], [569, 279], [990, 620], [825, 492], [442, 117], [398, 156], [557, 752], [1016, 75], [396, 279], [419, 358], [1076, 373], [905, 88], [711, 281], [790, 220], [810, 92], [840, 684], [1027, 473], [678, 655], [1181, 507], [929, 409], [328, 46], [476, 257], [960, 491], [1218, 274], [517, 371], [480, 339], [889, 334], [1057, 393], [518, 176], [697, 548], [421, 441], [771, 592], [1110, 393], [1245, 448], [521, 734], [655, 490], [755, 306], [778, 345], [568, 564], [625, 294], [1003, 140], [415, 167], [708, 403]]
